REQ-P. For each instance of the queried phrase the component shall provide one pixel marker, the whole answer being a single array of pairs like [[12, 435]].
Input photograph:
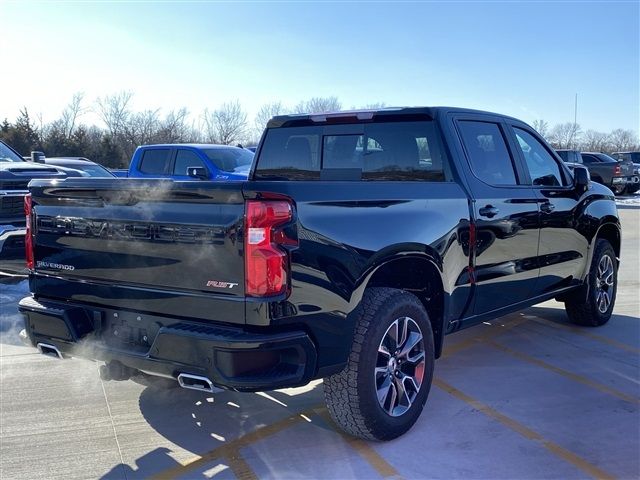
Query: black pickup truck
[[359, 241], [15, 175]]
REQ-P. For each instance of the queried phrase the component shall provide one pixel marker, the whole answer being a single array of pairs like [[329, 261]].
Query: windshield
[[230, 159], [94, 170], [8, 155], [606, 158]]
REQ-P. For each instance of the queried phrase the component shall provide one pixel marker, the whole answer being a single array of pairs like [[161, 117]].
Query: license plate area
[[130, 331]]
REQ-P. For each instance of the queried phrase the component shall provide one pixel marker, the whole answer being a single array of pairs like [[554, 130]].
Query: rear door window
[[487, 151], [155, 161]]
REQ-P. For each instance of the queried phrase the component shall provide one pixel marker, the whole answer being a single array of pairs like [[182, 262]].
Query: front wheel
[[602, 283], [382, 390]]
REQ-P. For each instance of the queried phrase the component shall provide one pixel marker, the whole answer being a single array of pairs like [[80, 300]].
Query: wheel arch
[[609, 229], [611, 232], [418, 273]]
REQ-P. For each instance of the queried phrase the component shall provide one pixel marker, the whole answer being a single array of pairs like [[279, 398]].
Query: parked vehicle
[[15, 174], [608, 171], [119, 172], [358, 242], [81, 164], [635, 158], [571, 158], [211, 162]]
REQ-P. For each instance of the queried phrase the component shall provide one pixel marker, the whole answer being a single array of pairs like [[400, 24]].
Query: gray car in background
[[617, 175], [635, 158], [81, 164]]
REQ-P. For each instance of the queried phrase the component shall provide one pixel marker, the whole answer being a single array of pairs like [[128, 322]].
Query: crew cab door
[[505, 213], [562, 250]]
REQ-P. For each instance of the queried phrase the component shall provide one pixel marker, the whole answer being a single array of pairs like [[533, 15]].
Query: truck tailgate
[[159, 245]]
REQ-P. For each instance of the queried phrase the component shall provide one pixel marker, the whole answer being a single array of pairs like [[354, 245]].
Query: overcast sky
[[523, 59]]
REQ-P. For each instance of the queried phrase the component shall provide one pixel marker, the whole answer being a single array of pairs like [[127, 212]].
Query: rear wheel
[[381, 392], [602, 285]]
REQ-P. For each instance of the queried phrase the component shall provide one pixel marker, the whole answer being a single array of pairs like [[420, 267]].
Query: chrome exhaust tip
[[196, 382], [49, 350], [24, 338]]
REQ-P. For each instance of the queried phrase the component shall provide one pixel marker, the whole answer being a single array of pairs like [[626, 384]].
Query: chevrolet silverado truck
[[15, 174], [359, 240]]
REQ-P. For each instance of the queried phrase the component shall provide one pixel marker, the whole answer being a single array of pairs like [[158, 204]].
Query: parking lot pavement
[[526, 396]]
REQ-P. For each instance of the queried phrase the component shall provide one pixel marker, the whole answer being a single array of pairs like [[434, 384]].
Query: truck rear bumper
[[231, 358], [630, 180]]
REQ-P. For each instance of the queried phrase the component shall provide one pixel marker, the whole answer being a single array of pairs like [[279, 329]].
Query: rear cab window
[[379, 151]]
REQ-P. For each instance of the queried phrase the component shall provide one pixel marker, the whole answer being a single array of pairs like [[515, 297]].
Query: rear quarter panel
[[348, 229]]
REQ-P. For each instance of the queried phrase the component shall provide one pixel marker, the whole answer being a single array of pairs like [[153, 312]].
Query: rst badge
[[217, 284]]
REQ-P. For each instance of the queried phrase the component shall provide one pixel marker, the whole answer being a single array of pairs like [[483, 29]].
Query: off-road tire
[[587, 313], [351, 395]]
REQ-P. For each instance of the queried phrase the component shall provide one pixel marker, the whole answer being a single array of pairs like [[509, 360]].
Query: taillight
[[28, 237], [266, 262], [617, 170]]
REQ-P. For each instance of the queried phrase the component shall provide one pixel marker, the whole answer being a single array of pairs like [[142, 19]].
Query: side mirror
[[581, 179], [197, 172]]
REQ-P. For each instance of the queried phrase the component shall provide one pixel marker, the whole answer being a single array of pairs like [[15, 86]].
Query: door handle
[[547, 207], [488, 211]]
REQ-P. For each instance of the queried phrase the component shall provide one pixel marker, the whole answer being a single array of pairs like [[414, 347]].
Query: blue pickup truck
[[189, 161]]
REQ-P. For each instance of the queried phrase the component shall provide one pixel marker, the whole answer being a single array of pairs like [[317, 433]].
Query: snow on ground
[[629, 200]]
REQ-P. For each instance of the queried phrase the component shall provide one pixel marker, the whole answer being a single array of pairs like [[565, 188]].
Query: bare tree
[[71, 113], [565, 135], [594, 141], [622, 140], [374, 106], [114, 111], [225, 125], [541, 127], [140, 128], [266, 112], [318, 105], [174, 128]]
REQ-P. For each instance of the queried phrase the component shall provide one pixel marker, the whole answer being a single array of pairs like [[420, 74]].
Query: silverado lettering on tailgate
[[116, 230]]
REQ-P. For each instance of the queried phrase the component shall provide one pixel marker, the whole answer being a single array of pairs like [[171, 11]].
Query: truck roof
[[368, 114], [189, 145]]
